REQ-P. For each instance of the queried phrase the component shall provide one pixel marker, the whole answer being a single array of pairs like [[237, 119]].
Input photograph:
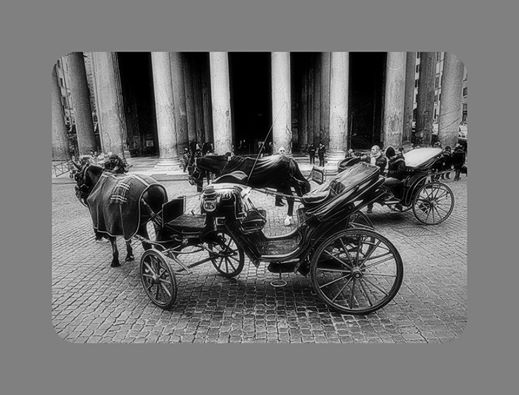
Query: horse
[[120, 205], [276, 171]]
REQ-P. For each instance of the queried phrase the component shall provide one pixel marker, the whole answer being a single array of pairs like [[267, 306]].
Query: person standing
[[458, 160], [375, 159], [311, 153], [396, 172], [321, 152]]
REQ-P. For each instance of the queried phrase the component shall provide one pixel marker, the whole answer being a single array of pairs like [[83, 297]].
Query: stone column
[[206, 98], [281, 103], [79, 94], [164, 108], [112, 125], [190, 103], [310, 103], [338, 104], [179, 100], [409, 95], [394, 99], [199, 104], [59, 130], [303, 108], [317, 99], [425, 102], [221, 100], [450, 102], [325, 96]]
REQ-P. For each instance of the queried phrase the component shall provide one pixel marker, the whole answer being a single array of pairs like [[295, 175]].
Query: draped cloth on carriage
[[114, 203]]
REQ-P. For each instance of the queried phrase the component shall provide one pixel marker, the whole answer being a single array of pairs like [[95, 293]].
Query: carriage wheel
[[359, 219], [158, 279], [433, 203], [228, 259], [356, 271]]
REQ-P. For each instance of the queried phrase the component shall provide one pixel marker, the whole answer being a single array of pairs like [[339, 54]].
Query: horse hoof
[[129, 258], [115, 264]]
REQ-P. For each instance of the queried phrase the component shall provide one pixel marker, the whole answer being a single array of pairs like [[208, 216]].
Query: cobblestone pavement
[[92, 302]]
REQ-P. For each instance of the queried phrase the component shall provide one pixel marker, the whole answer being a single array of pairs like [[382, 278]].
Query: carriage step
[[286, 267]]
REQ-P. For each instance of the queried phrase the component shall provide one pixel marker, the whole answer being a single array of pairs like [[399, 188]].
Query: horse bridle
[[82, 191]]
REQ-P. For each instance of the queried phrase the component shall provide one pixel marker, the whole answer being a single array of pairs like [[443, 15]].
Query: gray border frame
[[35, 360]]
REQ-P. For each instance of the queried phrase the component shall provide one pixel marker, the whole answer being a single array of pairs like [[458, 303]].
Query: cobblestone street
[[92, 302]]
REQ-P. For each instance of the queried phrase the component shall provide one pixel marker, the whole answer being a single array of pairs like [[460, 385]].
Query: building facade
[[155, 104]]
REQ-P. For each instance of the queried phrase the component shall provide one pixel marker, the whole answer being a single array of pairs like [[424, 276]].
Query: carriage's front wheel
[[433, 203], [158, 279], [356, 271], [227, 258]]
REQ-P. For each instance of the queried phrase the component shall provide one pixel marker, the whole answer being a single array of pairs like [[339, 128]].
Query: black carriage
[[352, 268], [432, 201]]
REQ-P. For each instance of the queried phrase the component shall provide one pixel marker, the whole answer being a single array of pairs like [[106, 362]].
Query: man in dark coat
[[396, 172], [458, 160], [376, 159], [321, 151], [311, 153]]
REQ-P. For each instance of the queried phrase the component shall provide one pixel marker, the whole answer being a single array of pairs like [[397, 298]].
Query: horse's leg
[[290, 200], [129, 251], [115, 252]]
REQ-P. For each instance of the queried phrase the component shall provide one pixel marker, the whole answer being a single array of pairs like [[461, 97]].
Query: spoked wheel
[[227, 258], [359, 219], [357, 271], [158, 279], [433, 203]]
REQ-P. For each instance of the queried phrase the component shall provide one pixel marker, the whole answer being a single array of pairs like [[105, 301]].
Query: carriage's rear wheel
[[356, 271], [433, 203], [158, 279], [227, 258]]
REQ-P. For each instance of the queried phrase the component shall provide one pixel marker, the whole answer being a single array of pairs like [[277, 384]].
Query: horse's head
[[86, 177], [201, 165]]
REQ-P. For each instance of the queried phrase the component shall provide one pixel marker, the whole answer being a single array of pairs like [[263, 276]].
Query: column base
[[333, 159], [167, 165]]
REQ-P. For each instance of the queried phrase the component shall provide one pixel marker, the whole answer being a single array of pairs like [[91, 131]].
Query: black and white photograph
[[259, 197]]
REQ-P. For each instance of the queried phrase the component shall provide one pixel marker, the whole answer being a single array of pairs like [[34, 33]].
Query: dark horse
[[276, 171], [120, 205]]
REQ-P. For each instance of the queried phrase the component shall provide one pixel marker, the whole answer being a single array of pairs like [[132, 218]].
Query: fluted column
[[59, 130], [112, 127], [409, 95], [80, 97], [281, 103], [325, 96], [163, 91], [394, 99], [179, 99], [338, 103], [450, 102], [425, 104], [221, 101], [190, 102]]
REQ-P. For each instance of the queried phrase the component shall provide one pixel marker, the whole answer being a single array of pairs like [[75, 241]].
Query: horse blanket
[[114, 203]]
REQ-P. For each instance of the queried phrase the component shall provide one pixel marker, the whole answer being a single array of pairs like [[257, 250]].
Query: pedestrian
[[321, 152], [311, 153], [185, 158], [458, 160], [279, 199], [446, 163], [375, 159]]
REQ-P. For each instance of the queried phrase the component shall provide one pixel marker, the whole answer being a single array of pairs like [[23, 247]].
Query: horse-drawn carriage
[[432, 201], [352, 268]]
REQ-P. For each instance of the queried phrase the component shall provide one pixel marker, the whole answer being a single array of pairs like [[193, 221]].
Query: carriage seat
[[187, 223], [235, 177]]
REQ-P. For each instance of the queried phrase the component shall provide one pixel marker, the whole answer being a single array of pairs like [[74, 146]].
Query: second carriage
[[431, 200]]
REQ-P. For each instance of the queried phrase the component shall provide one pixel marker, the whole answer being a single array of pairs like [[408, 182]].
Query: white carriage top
[[421, 156]]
